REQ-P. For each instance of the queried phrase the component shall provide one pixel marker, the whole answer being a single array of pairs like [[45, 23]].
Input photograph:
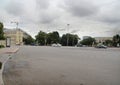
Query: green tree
[[73, 39], [116, 40], [89, 41], [1, 31], [41, 38], [28, 41], [53, 37], [49, 40], [108, 42], [64, 40]]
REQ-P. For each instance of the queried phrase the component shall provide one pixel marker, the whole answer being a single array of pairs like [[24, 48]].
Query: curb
[[1, 71], [3, 64], [14, 51]]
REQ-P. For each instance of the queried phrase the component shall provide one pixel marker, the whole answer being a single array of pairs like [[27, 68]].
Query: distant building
[[16, 35], [102, 39]]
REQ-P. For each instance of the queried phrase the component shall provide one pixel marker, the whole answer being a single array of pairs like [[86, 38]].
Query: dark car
[[79, 45], [101, 46]]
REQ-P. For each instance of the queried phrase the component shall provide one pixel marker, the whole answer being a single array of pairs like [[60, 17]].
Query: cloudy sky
[[86, 17]]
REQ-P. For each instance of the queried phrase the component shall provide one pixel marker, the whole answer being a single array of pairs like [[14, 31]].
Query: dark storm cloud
[[81, 7]]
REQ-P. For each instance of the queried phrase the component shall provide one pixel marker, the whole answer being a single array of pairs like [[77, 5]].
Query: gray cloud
[[42, 4], [87, 15], [110, 13], [47, 19], [112, 20], [81, 7], [47, 13], [115, 30], [15, 7]]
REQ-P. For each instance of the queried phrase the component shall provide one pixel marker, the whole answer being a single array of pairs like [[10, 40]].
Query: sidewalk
[[4, 58], [9, 50]]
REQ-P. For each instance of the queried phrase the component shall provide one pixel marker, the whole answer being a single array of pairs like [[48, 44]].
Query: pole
[[73, 41], [68, 34]]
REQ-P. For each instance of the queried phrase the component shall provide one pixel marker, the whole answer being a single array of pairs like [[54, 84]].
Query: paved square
[[63, 66]]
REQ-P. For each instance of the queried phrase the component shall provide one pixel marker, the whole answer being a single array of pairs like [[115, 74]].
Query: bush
[[2, 46], [0, 65]]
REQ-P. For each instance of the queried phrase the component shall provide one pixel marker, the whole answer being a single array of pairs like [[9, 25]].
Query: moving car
[[79, 45], [101, 46]]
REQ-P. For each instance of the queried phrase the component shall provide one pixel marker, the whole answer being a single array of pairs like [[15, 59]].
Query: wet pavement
[[34, 65]]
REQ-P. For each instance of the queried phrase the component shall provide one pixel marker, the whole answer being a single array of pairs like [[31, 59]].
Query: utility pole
[[68, 34]]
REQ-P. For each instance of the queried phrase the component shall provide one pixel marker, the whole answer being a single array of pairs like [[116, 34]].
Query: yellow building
[[16, 35]]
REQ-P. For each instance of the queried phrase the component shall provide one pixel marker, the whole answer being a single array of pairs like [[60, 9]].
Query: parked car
[[56, 45], [59, 45], [101, 46], [79, 45]]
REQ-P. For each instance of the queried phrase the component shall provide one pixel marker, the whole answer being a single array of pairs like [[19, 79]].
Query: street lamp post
[[68, 34]]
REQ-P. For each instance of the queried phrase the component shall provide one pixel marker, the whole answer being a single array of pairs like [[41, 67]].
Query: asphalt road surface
[[63, 66]]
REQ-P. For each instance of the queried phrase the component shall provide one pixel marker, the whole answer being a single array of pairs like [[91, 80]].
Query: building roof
[[6, 30]]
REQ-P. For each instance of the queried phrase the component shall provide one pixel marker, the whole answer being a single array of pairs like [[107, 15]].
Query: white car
[[59, 45], [56, 45]]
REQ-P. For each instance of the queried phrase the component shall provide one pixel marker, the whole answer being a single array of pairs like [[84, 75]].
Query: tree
[[89, 41], [73, 39], [41, 38], [1, 31], [49, 40], [64, 40], [116, 40], [53, 37], [108, 42], [28, 41]]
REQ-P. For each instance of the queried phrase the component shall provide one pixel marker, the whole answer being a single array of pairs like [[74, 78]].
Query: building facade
[[16, 35], [102, 39]]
